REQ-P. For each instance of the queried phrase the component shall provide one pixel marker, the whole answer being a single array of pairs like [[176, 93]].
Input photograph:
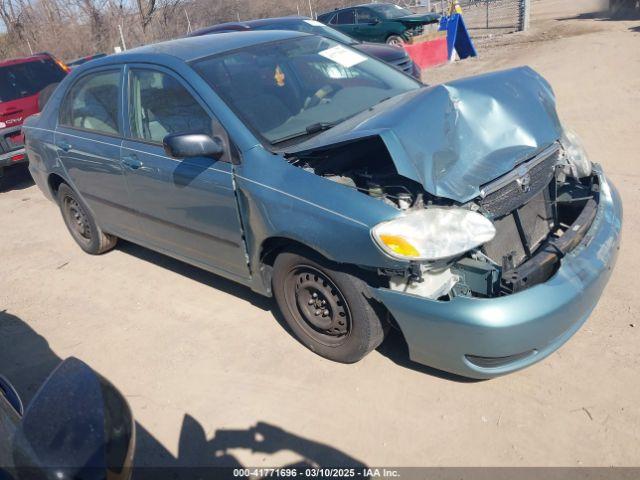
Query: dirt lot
[[196, 355]]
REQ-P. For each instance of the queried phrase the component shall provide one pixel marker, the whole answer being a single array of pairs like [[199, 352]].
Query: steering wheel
[[325, 93]]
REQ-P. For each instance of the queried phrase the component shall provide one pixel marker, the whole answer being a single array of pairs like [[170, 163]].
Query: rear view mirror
[[185, 145], [77, 425]]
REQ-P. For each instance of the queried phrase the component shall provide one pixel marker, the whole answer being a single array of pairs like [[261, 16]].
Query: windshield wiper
[[309, 130], [319, 127]]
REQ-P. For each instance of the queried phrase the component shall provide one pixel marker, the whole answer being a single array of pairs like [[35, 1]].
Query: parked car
[[76, 426], [79, 61], [392, 54], [464, 214], [21, 81], [379, 22]]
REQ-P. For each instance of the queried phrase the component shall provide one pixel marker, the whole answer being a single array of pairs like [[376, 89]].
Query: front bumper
[[512, 332]]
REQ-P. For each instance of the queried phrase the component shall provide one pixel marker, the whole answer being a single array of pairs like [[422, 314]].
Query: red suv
[[21, 81]]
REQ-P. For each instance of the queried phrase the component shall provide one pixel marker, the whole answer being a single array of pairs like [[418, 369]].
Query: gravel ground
[[213, 377]]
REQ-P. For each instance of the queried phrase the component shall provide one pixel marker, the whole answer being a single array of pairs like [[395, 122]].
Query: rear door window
[[92, 103], [365, 15], [25, 79], [346, 17], [159, 105]]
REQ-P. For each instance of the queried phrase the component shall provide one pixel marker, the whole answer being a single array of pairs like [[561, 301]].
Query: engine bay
[[365, 165], [540, 211]]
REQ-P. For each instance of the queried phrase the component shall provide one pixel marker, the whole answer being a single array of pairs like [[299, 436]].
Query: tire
[[396, 40], [81, 224], [346, 327]]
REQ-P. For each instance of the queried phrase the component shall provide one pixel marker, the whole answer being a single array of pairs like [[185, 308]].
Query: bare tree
[[146, 8], [73, 28], [94, 11], [12, 13]]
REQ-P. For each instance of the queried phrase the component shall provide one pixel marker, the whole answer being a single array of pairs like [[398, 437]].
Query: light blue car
[[462, 214]]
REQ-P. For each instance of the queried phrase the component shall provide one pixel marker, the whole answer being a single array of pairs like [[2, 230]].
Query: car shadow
[[27, 360], [196, 274], [625, 14], [16, 177], [394, 346]]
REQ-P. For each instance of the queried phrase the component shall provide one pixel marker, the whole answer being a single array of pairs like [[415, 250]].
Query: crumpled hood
[[456, 137]]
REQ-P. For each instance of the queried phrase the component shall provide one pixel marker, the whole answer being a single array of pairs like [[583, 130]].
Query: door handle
[[64, 145], [131, 162]]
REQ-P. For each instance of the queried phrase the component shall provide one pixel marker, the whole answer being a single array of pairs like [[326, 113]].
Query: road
[[202, 361]]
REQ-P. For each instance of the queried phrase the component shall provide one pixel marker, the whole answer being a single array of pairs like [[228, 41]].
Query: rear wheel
[[327, 308], [81, 224]]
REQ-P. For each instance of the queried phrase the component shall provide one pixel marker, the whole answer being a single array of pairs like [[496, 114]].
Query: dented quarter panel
[[454, 138]]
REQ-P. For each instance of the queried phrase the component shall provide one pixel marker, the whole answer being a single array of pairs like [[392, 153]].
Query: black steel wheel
[[81, 224], [327, 307], [320, 305], [76, 219]]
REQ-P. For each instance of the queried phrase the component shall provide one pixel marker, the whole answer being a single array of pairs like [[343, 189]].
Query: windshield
[[290, 89], [25, 79], [310, 26], [391, 11]]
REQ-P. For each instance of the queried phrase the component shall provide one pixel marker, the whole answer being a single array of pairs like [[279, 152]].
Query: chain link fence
[[488, 17]]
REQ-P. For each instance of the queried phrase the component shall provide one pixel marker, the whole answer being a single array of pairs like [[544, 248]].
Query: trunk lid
[[13, 113], [21, 80]]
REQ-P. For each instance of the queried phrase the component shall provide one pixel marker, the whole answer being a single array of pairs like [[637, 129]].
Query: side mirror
[[186, 145], [77, 426], [11, 395]]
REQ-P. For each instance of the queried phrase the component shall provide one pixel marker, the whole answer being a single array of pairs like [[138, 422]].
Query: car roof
[[188, 49], [375, 5], [32, 58], [367, 5], [248, 24]]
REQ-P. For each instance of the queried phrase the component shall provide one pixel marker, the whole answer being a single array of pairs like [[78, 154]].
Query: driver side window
[[159, 105]]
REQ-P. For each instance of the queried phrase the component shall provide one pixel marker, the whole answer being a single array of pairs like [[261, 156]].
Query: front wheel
[[81, 224], [327, 308], [395, 40]]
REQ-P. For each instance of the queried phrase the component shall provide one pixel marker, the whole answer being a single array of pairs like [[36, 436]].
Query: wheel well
[[55, 181], [271, 247]]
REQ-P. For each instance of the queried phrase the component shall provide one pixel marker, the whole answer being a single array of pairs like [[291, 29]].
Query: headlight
[[433, 233], [576, 154]]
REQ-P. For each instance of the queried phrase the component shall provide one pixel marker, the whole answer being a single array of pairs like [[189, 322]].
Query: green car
[[378, 22]]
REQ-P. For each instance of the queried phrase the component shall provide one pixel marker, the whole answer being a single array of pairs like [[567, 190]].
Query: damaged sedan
[[463, 214]]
